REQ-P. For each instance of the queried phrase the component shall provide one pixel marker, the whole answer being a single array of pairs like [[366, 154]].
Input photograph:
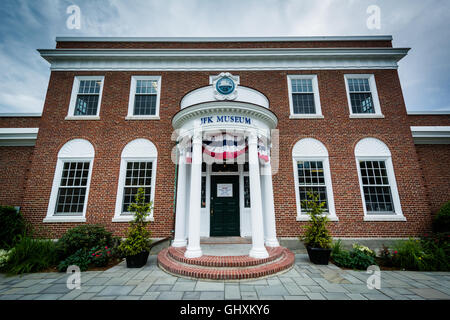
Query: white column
[[258, 250], [180, 221], [193, 249], [269, 208]]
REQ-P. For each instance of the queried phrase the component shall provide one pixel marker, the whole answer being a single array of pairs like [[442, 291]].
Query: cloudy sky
[[423, 25]]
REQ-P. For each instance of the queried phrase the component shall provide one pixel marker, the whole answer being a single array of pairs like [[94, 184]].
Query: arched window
[[137, 170], [312, 173], [70, 190], [377, 181]]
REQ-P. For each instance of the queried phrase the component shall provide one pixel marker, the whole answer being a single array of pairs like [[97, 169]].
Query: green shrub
[[12, 226], [316, 234], [4, 257], [437, 252], [80, 258], [441, 222], [359, 258], [100, 256], [31, 255], [83, 237], [138, 237], [409, 255]]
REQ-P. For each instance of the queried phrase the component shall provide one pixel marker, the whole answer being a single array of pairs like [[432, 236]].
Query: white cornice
[[223, 39], [20, 115], [431, 134], [18, 136], [223, 59], [428, 113]]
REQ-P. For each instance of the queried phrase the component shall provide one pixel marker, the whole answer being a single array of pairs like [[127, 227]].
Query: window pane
[[146, 87], [86, 105], [89, 86], [138, 174], [377, 191], [362, 102], [311, 178], [303, 103], [246, 192], [301, 85], [144, 105], [359, 85]]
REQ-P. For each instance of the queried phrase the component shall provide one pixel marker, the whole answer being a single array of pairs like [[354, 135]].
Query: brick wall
[[337, 131], [14, 165], [434, 160]]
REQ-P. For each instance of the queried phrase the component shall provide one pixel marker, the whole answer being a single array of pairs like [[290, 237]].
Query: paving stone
[[249, 296], [25, 283], [29, 297], [429, 293], [57, 288], [356, 296], [191, 295], [334, 288], [376, 296], [271, 298], [10, 296], [315, 296], [315, 289], [141, 288], [275, 290], [402, 291], [209, 286], [357, 288], [184, 286], [295, 298], [160, 288], [37, 288], [49, 296], [170, 295], [150, 296], [72, 294], [97, 281], [246, 287], [414, 297], [166, 280], [259, 282], [336, 296], [212, 295], [232, 292], [104, 298], [90, 289], [305, 281], [128, 298], [85, 296], [293, 289], [116, 291]]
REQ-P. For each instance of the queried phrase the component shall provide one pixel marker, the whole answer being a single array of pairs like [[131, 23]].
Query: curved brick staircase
[[172, 260]]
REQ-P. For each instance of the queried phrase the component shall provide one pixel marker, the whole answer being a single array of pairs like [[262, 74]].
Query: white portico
[[224, 184]]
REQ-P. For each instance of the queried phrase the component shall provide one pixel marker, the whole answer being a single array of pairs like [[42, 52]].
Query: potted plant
[[317, 237], [136, 246]]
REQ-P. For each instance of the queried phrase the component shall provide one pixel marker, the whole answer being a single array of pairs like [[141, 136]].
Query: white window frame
[[315, 151], [375, 150], [75, 150], [315, 86], [135, 151], [130, 115], [73, 98], [373, 91]]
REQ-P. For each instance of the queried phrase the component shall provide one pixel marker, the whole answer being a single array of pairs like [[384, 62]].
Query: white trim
[[223, 39], [428, 112], [136, 150], [310, 149], [315, 87], [431, 134], [74, 150], [74, 94], [218, 60], [372, 149], [373, 90], [130, 115], [21, 115]]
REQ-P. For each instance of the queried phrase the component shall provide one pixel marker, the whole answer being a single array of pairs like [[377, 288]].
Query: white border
[[321, 155], [73, 98], [130, 115], [373, 90], [151, 156], [374, 145], [315, 86], [71, 147]]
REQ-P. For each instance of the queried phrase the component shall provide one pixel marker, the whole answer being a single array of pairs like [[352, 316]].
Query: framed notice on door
[[224, 190]]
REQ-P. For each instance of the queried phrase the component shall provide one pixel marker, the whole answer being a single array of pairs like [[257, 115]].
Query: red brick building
[[289, 114]]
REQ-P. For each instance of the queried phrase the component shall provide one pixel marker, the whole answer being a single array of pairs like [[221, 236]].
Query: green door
[[224, 210]]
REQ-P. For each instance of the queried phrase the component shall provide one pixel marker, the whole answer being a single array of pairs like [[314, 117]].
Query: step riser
[[168, 264]]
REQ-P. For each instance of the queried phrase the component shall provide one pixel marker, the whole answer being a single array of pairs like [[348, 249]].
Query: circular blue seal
[[225, 85]]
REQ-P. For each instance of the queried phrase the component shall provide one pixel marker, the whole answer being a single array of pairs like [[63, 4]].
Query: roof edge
[[223, 39]]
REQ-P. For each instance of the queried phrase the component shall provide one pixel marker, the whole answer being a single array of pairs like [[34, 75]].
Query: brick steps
[[173, 261]]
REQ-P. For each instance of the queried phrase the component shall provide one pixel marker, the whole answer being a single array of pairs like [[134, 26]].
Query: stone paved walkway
[[303, 282]]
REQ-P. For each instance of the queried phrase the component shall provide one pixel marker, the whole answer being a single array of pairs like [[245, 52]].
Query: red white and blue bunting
[[226, 146]]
